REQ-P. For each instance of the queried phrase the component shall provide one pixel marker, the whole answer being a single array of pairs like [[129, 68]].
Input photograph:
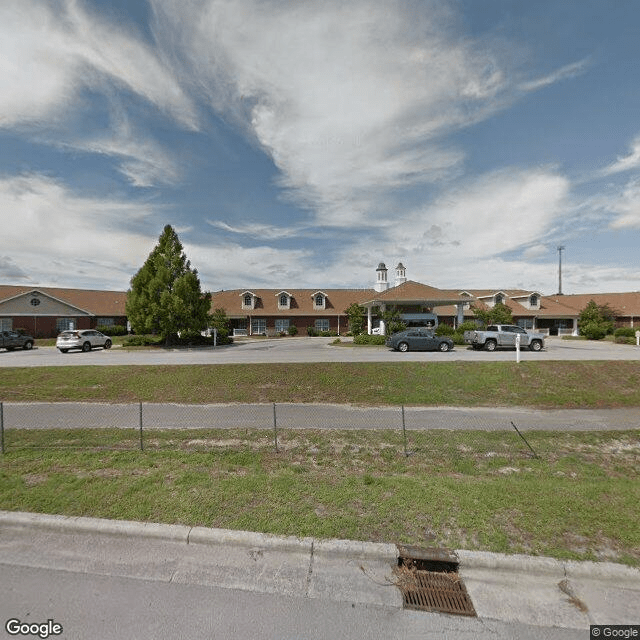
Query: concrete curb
[[541, 565], [468, 560]]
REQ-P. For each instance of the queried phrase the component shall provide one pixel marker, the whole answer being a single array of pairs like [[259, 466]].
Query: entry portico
[[416, 302]]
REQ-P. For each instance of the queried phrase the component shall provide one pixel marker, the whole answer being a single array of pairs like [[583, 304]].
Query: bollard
[[517, 348], [275, 429], [1, 427], [141, 441], [404, 434]]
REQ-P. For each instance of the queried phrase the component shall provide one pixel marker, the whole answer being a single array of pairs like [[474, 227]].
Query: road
[[309, 350]]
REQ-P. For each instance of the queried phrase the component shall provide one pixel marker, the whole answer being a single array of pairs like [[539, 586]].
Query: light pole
[[560, 250]]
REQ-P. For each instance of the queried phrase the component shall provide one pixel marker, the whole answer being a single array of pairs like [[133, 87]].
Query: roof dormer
[[248, 299], [319, 300], [284, 300]]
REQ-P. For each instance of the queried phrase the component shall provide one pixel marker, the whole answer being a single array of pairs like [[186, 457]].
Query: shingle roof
[[415, 291], [337, 301], [98, 303]]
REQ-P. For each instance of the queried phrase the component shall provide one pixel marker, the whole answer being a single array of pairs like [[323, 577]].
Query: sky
[[299, 144]]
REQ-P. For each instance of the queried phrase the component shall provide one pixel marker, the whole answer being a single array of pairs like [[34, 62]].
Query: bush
[[311, 331], [593, 330], [625, 332], [444, 330], [365, 338], [292, 330], [142, 341], [112, 330]]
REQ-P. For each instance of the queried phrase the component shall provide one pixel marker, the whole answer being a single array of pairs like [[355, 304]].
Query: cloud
[[51, 51], [56, 227], [568, 71], [10, 271], [627, 207], [351, 100], [258, 230], [625, 163]]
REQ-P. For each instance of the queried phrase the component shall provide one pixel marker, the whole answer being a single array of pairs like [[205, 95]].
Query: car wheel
[[86, 346], [403, 346], [64, 350], [490, 345], [107, 344], [444, 347], [27, 345], [535, 345]]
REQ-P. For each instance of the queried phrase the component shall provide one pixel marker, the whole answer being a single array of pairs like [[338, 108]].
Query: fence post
[[404, 434], [535, 455], [1, 427], [141, 441], [275, 428]]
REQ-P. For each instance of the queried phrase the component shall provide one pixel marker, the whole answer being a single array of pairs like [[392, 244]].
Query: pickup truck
[[503, 335], [10, 340]]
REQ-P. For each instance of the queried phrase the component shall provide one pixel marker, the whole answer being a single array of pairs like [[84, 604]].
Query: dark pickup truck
[[10, 340]]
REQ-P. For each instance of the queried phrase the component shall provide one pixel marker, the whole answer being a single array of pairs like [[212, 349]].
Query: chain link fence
[[399, 430]]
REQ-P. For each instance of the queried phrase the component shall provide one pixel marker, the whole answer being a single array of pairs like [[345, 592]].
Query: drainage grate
[[430, 582]]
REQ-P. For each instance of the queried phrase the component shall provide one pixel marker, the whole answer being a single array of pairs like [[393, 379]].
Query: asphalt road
[[309, 350]]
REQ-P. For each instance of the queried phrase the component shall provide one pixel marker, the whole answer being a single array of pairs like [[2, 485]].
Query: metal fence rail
[[408, 422]]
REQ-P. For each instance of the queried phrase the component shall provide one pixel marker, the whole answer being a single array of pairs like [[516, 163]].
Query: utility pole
[[560, 250]]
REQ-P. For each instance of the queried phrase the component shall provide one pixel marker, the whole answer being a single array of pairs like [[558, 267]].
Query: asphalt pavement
[[513, 596]]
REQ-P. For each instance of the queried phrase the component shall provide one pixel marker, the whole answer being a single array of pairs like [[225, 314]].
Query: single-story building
[[45, 311]]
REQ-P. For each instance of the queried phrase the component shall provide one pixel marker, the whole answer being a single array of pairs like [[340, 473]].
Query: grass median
[[458, 489], [476, 490], [528, 384]]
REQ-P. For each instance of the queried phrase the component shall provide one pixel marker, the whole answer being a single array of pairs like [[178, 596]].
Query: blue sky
[[299, 144]]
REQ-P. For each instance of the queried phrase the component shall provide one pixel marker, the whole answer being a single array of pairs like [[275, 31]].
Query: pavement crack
[[309, 572]]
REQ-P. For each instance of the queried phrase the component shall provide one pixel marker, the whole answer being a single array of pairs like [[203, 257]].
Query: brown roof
[[411, 291], [98, 303], [624, 304], [337, 301]]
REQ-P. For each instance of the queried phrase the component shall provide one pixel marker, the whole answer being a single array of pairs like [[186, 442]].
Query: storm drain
[[429, 581]]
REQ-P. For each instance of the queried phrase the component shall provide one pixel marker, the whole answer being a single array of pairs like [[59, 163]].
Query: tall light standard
[[560, 250]]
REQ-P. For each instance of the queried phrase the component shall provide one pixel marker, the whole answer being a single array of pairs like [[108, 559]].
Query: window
[[319, 300], [65, 324], [284, 300], [499, 299], [248, 300], [282, 325], [258, 326], [6, 324], [106, 322], [534, 301], [525, 323], [322, 324], [34, 302]]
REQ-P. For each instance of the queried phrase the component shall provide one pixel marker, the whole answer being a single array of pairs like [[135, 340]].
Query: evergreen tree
[[165, 295], [498, 314], [355, 314]]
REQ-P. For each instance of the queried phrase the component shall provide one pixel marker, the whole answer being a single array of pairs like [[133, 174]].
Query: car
[[11, 340], [419, 339], [84, 339]]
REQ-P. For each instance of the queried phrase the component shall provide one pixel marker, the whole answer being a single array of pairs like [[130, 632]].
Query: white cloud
[[50, 51], [349, 99], [627, 207], [258, 230], [568, 71], [87, 240], [626, 163]]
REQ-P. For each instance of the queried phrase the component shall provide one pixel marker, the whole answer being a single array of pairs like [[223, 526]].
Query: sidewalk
[[537, 591]]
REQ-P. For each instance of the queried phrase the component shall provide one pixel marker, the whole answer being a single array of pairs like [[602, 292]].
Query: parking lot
[[247, 351]]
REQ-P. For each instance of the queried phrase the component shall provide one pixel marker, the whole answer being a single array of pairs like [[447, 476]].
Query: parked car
[[85, 340], [11, 340], [419, 339]]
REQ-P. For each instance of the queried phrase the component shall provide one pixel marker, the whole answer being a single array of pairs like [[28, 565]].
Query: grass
[[474, 490], [529, 384]]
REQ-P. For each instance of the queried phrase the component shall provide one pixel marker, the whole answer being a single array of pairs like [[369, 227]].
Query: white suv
[[85, 340]]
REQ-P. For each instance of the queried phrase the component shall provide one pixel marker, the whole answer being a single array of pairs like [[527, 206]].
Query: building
[[44, 311]]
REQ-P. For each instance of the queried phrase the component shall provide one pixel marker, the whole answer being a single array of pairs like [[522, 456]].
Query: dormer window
[[534, 301], [248, 300], [499, 299], [284, 300], [319, 300]]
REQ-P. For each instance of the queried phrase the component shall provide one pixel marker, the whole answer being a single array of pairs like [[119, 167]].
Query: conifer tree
[[165, 295]]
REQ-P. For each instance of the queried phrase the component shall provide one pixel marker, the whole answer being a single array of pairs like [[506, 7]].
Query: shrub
[[444, 330], [112, 330], [311, 331], [625, 332], [593, 330], [142, 341], [292, 330], [365, 338]]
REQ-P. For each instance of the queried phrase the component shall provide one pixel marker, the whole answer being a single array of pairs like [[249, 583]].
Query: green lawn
[[531, 384], [475, 490]]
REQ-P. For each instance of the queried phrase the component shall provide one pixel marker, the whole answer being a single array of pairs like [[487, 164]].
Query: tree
[[165, 295], [498, 314], [355, 314], [596, 321], [220, 322], [393, 320]]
